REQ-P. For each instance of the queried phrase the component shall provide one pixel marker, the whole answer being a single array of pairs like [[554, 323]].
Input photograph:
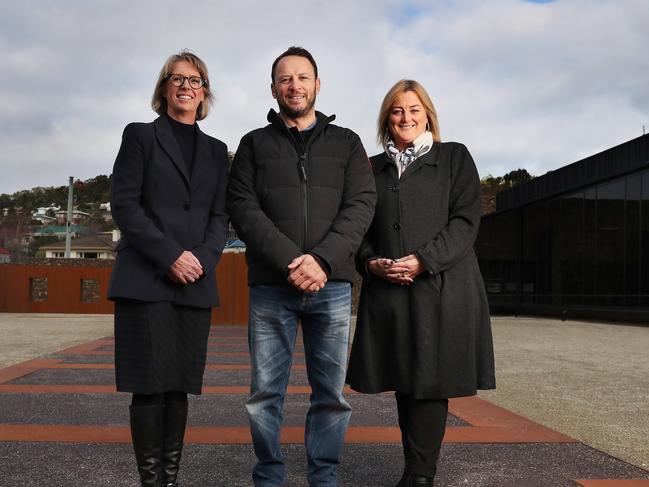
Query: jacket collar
[[380, 162], [275, 120], [168, 143], [431, 158]]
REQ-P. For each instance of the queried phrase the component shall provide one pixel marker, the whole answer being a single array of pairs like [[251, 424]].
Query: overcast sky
[[523, 84]]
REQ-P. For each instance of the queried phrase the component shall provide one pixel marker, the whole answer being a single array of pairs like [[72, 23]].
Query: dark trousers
[[422, 423]]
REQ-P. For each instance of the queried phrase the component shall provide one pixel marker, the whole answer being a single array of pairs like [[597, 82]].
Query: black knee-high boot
[[147, 434], [175, 419]]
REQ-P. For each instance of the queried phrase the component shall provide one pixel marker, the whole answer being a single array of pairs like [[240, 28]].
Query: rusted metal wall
[[23, 291], [232, 279], [82, 289]]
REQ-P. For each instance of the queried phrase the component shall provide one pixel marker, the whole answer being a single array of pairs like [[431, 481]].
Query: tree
[[491, 186], [6, 201], [517, 176]]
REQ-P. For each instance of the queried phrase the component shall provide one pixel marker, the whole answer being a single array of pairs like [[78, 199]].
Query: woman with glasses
[[423, 327], [168, 200]]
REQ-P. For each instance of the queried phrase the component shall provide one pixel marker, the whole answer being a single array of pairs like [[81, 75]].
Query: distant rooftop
[[88, 242], [58, 229]]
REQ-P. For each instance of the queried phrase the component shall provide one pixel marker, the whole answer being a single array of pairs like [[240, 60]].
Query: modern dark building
[[574, 242]]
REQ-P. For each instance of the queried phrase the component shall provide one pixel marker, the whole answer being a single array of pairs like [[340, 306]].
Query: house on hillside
[[106, 215], [54, 231], [78, 216], [99, 246], [43, 213]]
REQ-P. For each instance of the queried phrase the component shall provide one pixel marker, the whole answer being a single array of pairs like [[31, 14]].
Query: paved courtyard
[[570, 410]]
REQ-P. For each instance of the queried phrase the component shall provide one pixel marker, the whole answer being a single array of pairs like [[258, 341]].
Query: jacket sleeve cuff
[[431, 266], [323, 263], [366, 269], [208, 259], [171, 256]]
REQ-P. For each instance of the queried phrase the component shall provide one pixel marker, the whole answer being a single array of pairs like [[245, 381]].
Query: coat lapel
[[429, 159], [168, 143], [381, 162], [201, 159]]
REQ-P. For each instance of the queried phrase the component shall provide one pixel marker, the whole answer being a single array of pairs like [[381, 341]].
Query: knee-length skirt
[[160, 347]]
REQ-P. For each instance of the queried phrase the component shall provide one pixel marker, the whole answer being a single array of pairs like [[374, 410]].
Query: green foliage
[[86, 193], [492, 182], [6, 201], [491, 186], [518, 176], [509, 180], [95, 190]]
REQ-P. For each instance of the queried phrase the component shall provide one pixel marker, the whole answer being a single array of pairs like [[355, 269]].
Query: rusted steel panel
[[22, 289], [3, 287], [231, 275]]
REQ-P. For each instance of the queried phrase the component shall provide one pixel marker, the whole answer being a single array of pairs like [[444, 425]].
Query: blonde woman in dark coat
[[423, 326]]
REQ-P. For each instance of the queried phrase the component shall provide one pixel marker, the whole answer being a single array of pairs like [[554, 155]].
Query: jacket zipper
[[302, 167], [305, 196]]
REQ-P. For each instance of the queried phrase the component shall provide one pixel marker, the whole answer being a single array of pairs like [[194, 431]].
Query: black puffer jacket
[[286, 199]]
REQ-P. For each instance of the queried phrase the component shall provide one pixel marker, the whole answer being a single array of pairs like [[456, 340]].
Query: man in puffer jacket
[[301, 196]]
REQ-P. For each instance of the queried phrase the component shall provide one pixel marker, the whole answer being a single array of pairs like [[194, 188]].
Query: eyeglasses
[[195, 82]]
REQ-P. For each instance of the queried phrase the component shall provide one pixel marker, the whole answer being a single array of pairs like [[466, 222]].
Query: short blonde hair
[[401, 86], [159, 102]]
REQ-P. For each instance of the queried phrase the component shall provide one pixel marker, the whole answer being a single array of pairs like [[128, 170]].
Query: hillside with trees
[[86, 193], [491, 186], [22, 235]]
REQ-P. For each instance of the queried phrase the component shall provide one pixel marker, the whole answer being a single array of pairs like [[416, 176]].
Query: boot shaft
[[175, 420], [147, 427]]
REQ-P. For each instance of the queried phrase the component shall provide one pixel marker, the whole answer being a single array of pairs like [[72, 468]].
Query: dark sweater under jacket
[[287, 198]]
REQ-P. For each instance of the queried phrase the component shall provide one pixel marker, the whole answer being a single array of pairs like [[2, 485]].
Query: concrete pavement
[[587, 380], [62, 424], [26, 336]]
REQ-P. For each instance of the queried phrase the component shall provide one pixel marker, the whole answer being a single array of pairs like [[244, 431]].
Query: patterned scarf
[[420, 146]]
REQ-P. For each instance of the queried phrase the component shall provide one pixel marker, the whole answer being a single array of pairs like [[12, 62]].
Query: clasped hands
[[398, 271], [305, 274], [186, 269]]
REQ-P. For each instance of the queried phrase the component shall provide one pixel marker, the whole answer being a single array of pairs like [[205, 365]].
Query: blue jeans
[[274, 315]]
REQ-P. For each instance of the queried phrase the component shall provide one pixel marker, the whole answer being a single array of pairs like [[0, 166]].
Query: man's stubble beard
[[292, 114]]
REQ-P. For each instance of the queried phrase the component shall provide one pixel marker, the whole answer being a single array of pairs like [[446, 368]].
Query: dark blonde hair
[[159, 102], [401, 86]]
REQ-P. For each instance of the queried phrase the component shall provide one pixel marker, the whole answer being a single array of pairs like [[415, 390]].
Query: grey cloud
[[523, 84]]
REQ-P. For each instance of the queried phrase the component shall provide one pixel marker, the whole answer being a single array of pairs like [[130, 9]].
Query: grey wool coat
[[432, 338]]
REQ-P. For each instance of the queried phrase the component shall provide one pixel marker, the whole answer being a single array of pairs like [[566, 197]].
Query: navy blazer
[[161, 212]]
